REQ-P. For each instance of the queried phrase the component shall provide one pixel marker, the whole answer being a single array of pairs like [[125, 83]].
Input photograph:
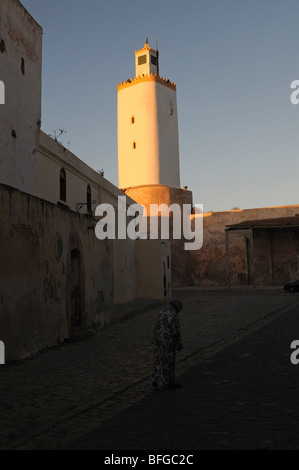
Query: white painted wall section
[[20, 71]]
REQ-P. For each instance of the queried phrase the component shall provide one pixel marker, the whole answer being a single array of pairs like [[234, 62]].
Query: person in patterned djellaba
[[167, 340]]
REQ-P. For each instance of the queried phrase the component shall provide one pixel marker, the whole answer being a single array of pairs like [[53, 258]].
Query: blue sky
[[233, 62]]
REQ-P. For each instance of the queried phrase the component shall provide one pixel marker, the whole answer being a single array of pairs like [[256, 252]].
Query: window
[[134, 144], [23, 66], [62, 185], [153, 60], [142, 59], [88, 199], [132, 119]]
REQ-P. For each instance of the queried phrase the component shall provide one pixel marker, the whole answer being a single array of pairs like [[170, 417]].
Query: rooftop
[[279, 222]]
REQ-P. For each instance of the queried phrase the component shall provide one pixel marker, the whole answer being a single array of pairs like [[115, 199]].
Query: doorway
[[76, 301]]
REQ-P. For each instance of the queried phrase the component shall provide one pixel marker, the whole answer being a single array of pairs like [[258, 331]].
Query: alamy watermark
[[294, 356], [2, 353], [295, 94], [122, 226], [2, 92]]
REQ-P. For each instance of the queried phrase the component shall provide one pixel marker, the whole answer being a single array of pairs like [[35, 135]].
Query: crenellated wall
[[146, 78]]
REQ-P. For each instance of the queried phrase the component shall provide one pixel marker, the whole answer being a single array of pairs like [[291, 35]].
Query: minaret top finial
[[146, 40]]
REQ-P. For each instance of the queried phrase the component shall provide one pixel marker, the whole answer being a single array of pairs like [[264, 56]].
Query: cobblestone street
[[96, 393]]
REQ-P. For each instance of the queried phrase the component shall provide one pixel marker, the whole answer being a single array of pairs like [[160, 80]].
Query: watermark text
[[133, 222], [295, 94]]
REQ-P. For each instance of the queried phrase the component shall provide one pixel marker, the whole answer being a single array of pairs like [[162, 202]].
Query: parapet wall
[[146, 78]]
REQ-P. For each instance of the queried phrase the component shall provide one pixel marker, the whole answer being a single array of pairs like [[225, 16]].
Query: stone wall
[[52, 265], [207, 265], [153, 269], [275, 256]]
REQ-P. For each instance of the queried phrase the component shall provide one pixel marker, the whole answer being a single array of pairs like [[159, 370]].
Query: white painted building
[[20, 116], [148, 140], [30, 160]]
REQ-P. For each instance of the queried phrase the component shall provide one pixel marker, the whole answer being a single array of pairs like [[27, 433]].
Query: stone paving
[[245, 397], [91, 387]]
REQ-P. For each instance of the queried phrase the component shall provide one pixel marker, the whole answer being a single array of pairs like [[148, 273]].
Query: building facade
[[20, 117], [57, 278]]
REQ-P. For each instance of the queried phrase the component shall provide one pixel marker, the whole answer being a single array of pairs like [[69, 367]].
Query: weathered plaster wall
[[20, 70], [124, 270], [207, 265], [282, 243], [36, 241], [153, 269]]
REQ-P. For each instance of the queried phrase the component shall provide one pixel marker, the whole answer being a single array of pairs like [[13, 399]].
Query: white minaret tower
[[148, 142]]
